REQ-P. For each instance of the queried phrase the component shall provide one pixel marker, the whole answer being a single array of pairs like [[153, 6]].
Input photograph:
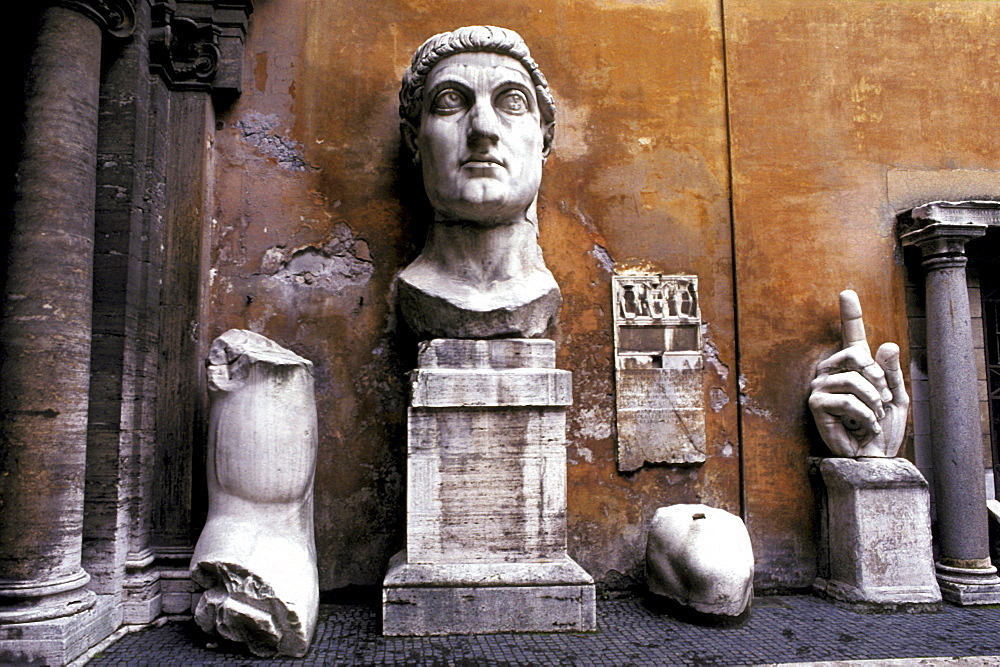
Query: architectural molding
[[117, 17], [198, 44]]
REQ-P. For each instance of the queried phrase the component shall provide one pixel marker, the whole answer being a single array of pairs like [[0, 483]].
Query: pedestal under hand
[[875, 534]]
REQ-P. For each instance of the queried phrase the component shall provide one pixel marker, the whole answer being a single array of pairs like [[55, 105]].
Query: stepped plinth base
[[486, 598]]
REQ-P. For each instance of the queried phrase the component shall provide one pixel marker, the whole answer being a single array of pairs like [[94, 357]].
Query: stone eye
[[448, 101], [513, 102]]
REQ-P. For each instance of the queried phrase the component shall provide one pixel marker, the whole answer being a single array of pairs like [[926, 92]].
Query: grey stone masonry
[[941, 230], [875, 534], [486, 496]]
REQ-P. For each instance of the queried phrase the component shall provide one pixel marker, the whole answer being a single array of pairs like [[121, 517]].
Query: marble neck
[[481, 255]]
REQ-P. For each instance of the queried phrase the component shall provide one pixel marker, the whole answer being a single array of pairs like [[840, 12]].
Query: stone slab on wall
[[659, 392]]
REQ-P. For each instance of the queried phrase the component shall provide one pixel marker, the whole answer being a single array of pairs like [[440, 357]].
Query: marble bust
[[478, 120], [859, 402]]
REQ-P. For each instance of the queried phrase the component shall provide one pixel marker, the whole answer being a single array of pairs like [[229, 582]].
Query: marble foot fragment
[[257, 554], [700, 558]]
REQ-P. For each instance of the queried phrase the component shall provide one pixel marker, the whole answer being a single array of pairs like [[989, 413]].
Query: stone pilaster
[[45, 335], [964, 570]]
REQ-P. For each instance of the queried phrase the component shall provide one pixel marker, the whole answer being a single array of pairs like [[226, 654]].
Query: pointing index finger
[[852, 325]]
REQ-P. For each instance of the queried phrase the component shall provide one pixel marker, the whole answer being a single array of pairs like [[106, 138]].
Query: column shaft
[[46, 326], [955, 432]]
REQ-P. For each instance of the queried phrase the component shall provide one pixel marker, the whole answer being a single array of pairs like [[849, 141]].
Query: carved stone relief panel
[[658, 370]]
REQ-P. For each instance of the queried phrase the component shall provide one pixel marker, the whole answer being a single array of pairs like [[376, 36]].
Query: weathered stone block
[[487, 598], [486, 496], [875, 546], [659, 397]]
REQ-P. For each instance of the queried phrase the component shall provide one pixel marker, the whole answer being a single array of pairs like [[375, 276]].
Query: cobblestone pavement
[[782, 629]]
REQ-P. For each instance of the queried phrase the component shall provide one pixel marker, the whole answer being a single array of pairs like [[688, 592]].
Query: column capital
[[943, 239], [198, 44], [117, 17], [942, 228]]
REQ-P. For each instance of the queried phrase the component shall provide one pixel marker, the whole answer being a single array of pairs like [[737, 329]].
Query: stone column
[[45, 331], [964, 570]]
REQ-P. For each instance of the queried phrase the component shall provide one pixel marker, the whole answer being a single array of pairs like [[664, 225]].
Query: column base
[[57, 641], [968, 586], [421, 599], [40, 600]]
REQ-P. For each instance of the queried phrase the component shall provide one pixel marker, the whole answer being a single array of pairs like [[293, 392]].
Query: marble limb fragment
[[257, 555], [701, 558]]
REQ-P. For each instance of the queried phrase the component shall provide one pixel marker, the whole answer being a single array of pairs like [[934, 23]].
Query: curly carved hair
[[468, 40]]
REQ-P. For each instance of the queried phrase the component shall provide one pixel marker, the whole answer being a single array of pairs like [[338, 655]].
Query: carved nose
[[483, 125]]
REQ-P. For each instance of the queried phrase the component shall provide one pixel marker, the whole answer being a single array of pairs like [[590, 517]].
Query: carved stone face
[[480, 141]]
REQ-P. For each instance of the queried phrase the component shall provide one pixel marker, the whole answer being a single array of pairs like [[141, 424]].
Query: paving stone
[[782, 629]]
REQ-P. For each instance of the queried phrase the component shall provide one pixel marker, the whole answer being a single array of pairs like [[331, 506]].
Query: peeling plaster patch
[[593, 423], [749, 405], [585, 453], [258, 130], [603, 257], [636, 267], [717, 398], [343, 261], [571, 135], [728, 449], [710, 353]]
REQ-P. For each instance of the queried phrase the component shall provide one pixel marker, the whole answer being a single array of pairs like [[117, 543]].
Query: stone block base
[[875, 542], [57, 641], [423, 599], [966, 586]]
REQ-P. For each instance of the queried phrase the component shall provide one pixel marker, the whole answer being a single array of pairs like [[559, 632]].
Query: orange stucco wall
[[842, 115], [826, 101]]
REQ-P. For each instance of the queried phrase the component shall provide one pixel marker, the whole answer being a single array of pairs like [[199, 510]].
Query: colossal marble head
[[479, 120]]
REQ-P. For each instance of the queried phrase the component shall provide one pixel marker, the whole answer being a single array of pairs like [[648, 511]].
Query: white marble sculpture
[[700, 557], [479, 121], [486, 448], [257, 554], [859, 402]]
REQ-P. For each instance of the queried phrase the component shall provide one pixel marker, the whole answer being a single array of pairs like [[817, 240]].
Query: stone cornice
[[117, 17], [978, 212], [198, 44]]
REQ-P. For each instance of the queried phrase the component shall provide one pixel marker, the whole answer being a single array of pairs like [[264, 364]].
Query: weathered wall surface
[[315, 214], [842, 114], [839, 114]]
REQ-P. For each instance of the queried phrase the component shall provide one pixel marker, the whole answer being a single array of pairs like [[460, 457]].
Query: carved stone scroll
[[115, 16], [198, 45], [257, 553]]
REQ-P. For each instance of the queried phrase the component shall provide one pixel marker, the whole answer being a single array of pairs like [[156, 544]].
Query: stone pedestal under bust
[[486, 451]]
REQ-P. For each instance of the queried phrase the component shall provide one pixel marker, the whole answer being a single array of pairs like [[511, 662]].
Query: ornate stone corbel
[[198, 44], [117, 17]]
